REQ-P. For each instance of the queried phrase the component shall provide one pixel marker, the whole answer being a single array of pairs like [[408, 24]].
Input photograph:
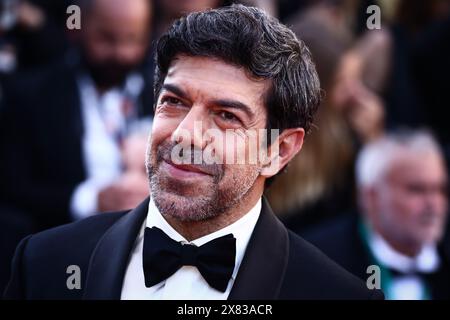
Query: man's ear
[[282, 150], [369, 201]]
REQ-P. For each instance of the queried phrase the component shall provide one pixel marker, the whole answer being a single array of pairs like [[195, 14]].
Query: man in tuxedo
[[65, 125], [206, 232], [402, 187]]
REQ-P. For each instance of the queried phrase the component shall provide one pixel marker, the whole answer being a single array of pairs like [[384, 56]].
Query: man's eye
[[227, 116], [171, 100]]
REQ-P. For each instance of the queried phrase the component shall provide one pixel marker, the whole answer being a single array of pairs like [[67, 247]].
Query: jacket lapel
[[110, 257], [264, 264]]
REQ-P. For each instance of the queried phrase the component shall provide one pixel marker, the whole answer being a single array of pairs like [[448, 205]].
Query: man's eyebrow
[[233, 104], [175, 90], [224, 103]]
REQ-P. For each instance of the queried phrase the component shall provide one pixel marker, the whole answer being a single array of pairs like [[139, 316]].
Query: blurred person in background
[[402, 191], [170, 10], [380, 79], [33, 33], [66, 130], [404, 65], [318, 184]]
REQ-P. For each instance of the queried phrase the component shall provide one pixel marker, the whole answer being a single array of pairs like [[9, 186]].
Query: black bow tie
[[163, 256]]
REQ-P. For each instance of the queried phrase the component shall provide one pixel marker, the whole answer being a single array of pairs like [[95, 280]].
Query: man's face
[[115, 39], [207, 107], [413, 200]]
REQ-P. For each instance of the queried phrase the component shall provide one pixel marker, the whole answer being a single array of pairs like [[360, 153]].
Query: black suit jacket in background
[[277, 264], [41, 142], [342, 242]]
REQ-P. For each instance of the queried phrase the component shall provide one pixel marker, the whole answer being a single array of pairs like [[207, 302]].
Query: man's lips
[[185, 170]]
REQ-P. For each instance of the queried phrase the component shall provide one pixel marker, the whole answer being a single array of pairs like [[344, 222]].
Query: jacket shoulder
[[81, 231], [43, 261], [312, 275]]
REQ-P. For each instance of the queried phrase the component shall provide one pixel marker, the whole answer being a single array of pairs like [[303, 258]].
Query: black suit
[[42, 155], [276, 265], [342, 242]]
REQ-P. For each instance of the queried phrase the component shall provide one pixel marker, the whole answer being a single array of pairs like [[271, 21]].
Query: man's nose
[[191, 129]]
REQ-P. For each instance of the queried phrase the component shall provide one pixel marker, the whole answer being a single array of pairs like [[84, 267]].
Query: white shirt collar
[[242, 230], [426, 261]]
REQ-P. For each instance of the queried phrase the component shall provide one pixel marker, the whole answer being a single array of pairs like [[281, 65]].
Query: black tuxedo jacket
[[41, 136], [276, 265], [341, 241]]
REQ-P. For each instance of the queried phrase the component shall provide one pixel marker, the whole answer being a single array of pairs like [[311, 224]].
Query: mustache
[[192, 156]]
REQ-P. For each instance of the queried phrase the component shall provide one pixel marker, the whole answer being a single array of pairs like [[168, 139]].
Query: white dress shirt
[[408, 287], [101, 151], [187, 283]]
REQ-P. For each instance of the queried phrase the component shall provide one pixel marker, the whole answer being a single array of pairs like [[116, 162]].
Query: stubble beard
[[187, 203]]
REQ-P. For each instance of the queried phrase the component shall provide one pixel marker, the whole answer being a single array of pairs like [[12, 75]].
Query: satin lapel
[[110, 257], [262, 270]]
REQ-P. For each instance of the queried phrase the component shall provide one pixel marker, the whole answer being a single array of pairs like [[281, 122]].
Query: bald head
[[115, 37], [119, 10]]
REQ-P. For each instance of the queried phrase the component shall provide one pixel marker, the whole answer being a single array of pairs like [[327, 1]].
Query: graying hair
[[375, 158]]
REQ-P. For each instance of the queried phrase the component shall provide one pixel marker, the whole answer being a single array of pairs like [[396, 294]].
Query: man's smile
[[183, 171]]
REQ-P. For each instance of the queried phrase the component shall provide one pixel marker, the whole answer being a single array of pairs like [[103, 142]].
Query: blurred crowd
[[368, 188]]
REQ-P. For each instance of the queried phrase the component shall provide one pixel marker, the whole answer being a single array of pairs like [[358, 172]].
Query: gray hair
[[375, 158]]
